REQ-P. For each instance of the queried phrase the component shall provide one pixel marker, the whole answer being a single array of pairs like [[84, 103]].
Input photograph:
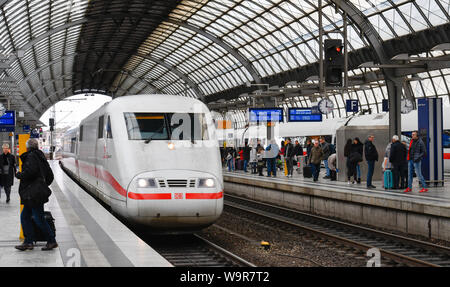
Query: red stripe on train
[[140, 196], [215, 195]]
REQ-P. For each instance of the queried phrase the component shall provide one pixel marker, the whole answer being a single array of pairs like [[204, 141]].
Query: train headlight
[[206, 182], [146, 182], [171, 146]]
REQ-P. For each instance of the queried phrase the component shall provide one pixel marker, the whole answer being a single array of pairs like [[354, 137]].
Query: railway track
[[194, 251], [393, 248]]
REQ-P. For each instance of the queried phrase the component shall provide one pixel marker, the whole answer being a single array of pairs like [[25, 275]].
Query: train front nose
[[189, 200]]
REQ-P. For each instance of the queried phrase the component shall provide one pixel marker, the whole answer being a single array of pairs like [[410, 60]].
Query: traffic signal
[[41, 132], [333, 62], [51, 123]]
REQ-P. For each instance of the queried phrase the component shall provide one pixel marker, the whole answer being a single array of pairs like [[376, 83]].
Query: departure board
[[303, 115]]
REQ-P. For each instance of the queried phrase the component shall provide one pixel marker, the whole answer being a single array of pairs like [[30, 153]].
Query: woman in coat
[[8, 170]]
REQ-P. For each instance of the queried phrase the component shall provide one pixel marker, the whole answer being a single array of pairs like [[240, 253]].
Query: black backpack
[[48, 173]]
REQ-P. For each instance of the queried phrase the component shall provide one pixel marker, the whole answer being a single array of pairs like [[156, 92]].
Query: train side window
[[108, 128], [100, 127], [81, 133], [72, 144]]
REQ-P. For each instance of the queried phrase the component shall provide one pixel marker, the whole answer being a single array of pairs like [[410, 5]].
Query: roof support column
[[395, 117]]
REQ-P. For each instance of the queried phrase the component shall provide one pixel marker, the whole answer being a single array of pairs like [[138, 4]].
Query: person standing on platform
[[398, 159], [33, 163], [289, 154], [253, 159], [404, 171], [315, 159], [354, 156], [8, 170], [326, 153], [359, 147], [416, 153], [246, 156], [271, 154], [308, 147], [298, 152], [371, 154]]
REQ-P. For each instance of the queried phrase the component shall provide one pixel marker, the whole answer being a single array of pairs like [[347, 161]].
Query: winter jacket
[[417, 150], [370, 151], [32, 163], [246, 153], [289, 150], [332, 162], [7, 179], [316, 155], [298, 150], [326, 150], [356, 152], [398, 154]]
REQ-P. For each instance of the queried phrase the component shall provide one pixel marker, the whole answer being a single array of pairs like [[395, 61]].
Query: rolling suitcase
[[38, 234], [388, 179], [307, 171]]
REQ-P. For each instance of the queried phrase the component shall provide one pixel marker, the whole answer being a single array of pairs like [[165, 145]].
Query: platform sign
[[6, 129], [303, 115], [8, 119], [430, 124], [26, 128], [257, 115], [34, 134], [351, 106]]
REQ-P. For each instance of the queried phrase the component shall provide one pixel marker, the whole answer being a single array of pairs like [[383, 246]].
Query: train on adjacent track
[[328, 127], [154, 159]]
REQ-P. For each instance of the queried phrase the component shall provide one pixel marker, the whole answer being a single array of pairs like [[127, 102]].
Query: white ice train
[[154, 159], [328, 128]]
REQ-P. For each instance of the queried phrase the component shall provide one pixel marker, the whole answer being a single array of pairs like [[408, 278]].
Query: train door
[[101, 166]]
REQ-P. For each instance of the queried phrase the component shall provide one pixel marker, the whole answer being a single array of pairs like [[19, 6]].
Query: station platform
[[426, 214], [87, 234]]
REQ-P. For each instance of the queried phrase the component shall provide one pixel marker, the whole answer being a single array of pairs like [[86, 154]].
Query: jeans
[[315, 171], [415, 166], [245, 165], [325, 163], [370, 170], [358, 171], [230, 164], [7, 191], [271, 168], [27, 224]]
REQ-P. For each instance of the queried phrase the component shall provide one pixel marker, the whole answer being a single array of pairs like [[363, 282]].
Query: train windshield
[[143, 126], [164, 126]]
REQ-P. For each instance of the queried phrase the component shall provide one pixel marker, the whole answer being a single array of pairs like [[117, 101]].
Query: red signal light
[[338, 49]]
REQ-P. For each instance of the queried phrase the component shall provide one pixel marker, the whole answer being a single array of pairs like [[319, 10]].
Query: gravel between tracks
[[287, 249]]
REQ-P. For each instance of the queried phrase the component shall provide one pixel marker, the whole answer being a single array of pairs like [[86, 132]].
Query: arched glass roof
[[211, 49]]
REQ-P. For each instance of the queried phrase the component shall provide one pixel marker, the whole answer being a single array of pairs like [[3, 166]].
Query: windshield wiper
[[151, 138]]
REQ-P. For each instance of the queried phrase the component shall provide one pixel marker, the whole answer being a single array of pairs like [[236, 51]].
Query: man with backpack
[[7, 171], [35, 177]]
